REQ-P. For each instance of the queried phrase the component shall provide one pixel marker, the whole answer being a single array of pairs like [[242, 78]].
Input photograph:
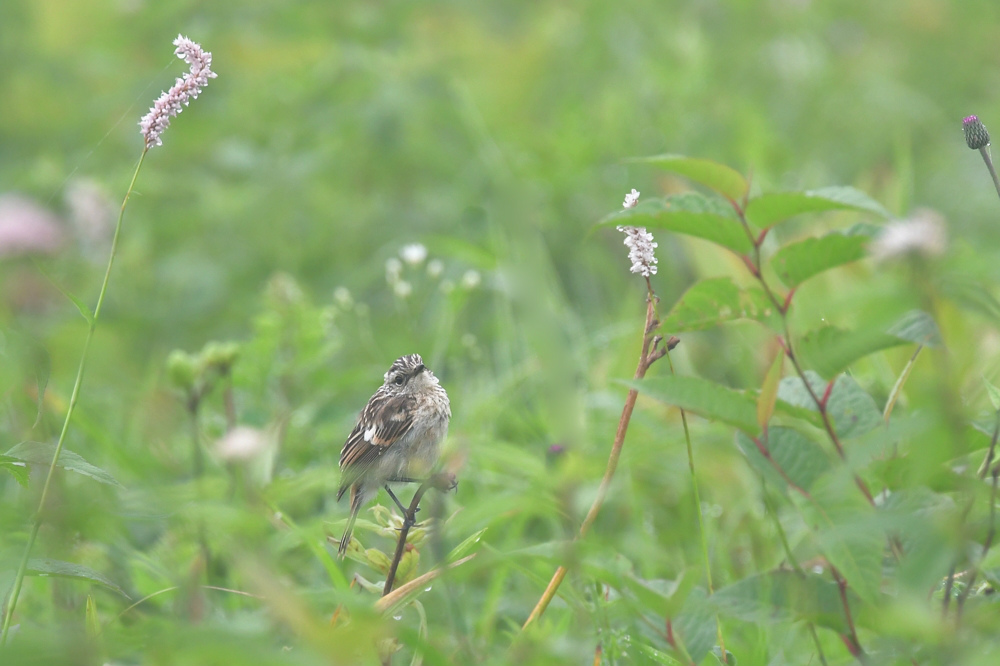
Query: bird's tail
[[345, 541]]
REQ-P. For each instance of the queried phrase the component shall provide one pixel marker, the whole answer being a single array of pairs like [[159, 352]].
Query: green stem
[[701, 520], [74, 396]]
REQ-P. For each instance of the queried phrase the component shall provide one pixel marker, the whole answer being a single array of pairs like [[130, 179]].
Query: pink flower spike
[[173, 101]]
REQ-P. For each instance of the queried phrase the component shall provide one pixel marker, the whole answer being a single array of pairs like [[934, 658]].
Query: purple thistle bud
[[976, 135], [172, 102]]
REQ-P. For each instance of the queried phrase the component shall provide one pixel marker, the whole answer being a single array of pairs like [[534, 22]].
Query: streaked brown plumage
[[396, 437]]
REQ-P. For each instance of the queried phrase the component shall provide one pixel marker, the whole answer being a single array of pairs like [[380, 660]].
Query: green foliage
[[691, 214], [275, 217]]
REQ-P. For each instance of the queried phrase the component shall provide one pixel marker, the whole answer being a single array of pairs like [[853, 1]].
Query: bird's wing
[[384, 421]]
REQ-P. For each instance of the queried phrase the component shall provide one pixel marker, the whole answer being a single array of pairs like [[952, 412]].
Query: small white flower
[[241, 443], [922, 234], [471, 279], [393, 267], [342, 295], [435, 267], [631, 199], [402, 288], [641, 250], [413, 254]]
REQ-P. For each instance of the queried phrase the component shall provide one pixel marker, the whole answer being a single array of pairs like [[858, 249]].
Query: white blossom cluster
[[186, 88], [641, 247]]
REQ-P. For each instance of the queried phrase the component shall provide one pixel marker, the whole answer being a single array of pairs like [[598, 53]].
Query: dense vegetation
[[807, 477]]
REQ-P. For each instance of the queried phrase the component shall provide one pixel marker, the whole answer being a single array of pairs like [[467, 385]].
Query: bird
[[396, 438]]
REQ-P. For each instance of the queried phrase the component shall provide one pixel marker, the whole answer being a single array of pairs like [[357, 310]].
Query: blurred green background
[[494, 134]]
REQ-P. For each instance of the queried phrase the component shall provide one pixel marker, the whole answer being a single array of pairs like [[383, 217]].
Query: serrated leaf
[[784, 596], [768, 209], [852, 411], [663, 597], [696, 625], [40, 453], [464, 548], [797, 262], [831, 350], [725, 180], [919, 327], [769, 391], [729, 659], [714, 301], [703, 397], [691, 214], [800, 460], [856, 551], [17, 468], [60, 569]]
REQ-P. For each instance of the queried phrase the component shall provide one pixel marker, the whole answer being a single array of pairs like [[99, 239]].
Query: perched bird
[[396, 438]]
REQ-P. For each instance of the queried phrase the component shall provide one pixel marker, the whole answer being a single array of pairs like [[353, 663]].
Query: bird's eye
[[398, 381]]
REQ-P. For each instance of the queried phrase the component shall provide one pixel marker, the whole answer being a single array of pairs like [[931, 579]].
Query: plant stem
[[442, 482], [701, 520], [987, 544], [755, 266], [646, 358], [74, 396], [985, 152]]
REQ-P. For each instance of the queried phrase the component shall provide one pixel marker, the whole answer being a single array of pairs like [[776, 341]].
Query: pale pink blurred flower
[[186, 88], [241, 443], [91, 212], [27, 227], [923, 234]]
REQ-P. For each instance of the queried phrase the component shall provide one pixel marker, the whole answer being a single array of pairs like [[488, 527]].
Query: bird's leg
[[406, 513]]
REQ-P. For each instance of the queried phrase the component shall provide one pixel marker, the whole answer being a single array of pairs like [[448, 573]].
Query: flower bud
[[976, 135]]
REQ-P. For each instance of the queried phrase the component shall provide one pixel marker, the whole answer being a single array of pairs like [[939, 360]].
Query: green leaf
[[84, 310], [797, 262], [919, 327], [40, 453], [663, 597], [714, 301], [92, 621], [691, 214], [17, 468], [855, 545], [464, 548], [728, 658], [696, 625], [852, 411], [994, 394], [700, 396], [60, 569], [769, 391], [784, 596], [725, 180], [801, 460], [768, 209], [43, 367], [831, 350]]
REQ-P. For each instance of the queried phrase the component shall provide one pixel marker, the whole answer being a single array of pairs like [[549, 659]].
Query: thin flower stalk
[[152, 125]]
